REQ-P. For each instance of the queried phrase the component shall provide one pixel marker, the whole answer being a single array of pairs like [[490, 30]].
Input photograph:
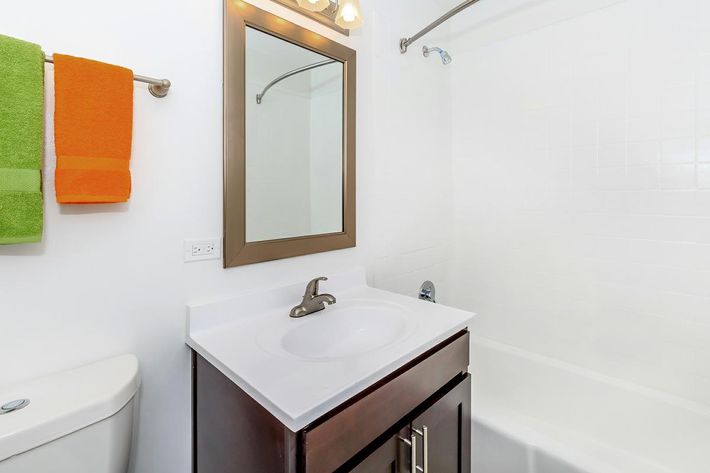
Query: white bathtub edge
[[595, 422], [692, 406]]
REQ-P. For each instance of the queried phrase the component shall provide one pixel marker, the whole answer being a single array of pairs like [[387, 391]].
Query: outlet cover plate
[[202, 249]]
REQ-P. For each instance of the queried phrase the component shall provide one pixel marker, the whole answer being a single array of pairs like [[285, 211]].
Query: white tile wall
[[581, 170]]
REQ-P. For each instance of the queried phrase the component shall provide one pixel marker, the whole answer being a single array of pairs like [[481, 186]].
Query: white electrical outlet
[[201, 250]]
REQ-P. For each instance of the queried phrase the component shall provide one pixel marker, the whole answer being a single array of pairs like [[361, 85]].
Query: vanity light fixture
[[340, 15], [314, 5], [349, 14]]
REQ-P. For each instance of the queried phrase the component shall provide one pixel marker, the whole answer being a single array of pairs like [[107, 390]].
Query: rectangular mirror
[[289, 139], [294, 136]]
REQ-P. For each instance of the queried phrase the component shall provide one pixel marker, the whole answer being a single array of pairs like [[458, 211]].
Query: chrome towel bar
[[157, 87]]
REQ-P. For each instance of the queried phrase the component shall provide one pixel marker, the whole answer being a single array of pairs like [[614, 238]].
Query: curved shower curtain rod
[[404, 43], [260, 97]]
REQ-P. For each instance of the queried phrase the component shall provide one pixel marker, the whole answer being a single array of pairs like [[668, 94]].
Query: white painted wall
[[110, 279], [581, 191]]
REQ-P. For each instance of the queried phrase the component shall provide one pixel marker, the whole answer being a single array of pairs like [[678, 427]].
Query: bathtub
[[495, 451], [533, 414]]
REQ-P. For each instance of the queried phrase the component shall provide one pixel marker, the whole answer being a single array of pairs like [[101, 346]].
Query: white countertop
[[241, 337]]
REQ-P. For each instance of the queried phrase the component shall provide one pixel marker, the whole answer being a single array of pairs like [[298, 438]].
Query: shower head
[[445, 57]]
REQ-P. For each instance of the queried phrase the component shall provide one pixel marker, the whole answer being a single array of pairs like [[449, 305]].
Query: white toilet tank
[[78, 421]]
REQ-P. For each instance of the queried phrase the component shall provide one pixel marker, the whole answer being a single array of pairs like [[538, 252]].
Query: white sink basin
[[346, 329], [300, 369]]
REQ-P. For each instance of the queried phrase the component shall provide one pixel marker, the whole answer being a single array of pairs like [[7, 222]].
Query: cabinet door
[[447, 427], [383, 460]]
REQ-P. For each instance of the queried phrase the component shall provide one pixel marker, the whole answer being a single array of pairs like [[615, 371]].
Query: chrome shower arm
[[404, 43], [445, 56], [427, 50]]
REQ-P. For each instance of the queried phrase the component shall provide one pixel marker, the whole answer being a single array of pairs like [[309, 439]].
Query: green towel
[[21, 140]]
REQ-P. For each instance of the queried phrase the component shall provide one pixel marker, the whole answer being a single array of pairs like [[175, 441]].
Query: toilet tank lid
[[66, 402]]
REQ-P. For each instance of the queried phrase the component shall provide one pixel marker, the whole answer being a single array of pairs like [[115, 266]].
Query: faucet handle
[[312, 287]]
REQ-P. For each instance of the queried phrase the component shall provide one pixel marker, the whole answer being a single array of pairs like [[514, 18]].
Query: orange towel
[[93, 124]]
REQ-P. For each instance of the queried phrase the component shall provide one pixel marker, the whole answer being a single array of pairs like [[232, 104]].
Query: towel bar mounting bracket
[[161, 90]]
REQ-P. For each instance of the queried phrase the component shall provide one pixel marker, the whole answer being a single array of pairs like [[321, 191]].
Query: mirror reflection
[[294, 140]]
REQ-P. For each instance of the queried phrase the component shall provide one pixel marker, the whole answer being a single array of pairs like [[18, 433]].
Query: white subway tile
[[704, 176], [678, 151], [612, 130], [678, 124], [584, 131], [559, 129], [612, 155], [704, 68], [644, 96], [642, 177], [611, 178], [644, 127], [677, 176], [679, 62], [677, 99], [704, 95], [644, 153], [704, 149], [703, 125], [671, 203]]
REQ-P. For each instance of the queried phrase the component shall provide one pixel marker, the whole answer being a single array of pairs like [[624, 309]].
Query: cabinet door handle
[[412, 444], [424, 433]]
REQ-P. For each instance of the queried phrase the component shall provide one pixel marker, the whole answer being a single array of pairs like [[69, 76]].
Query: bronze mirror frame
[[239, 15]]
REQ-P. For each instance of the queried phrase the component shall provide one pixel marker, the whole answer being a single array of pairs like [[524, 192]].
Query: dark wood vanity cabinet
[[442, 434], [426, 403], [448, 426]]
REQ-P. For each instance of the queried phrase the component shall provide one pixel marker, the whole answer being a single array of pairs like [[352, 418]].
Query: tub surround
[[249, 338]]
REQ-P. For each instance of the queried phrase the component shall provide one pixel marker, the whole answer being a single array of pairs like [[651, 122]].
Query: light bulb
[[349, 14], [314, 5]]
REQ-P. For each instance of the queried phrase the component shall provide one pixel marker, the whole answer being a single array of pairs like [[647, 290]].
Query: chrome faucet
[[312, 301]]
